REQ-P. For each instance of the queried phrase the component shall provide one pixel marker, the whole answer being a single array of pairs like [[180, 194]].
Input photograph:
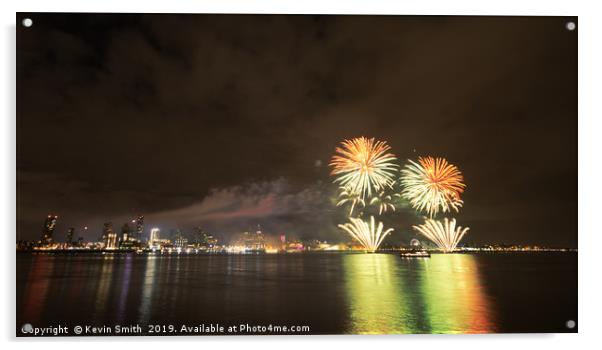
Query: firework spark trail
[[432, 184], [367, 233], [348, 196], [363, 165], [384, 201], [444, 234]]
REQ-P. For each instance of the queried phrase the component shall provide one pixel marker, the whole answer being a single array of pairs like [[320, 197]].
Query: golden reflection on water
[[376, 303], [104, 283], [148, 285], [387, 294], [38, 282], [454, 298]]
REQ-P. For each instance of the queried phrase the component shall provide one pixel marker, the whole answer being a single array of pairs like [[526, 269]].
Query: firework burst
[[444, 234], [432, 184], [384, 202], [363, 165], [368, 234], [347, 196]]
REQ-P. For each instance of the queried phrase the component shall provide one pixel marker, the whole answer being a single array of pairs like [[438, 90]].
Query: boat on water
[[415, 254]]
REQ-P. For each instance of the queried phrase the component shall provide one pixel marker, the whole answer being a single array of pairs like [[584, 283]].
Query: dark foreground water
[[332, 293]]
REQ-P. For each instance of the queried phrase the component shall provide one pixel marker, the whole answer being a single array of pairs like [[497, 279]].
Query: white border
[[590, 136]]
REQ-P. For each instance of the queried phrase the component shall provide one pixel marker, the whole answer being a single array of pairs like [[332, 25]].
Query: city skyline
[[182, 137], [219, 174]]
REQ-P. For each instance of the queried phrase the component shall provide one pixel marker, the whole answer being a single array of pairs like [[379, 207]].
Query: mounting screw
[[570, 25]]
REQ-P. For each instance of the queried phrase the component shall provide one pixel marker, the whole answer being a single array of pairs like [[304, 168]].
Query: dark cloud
[[168, 115]]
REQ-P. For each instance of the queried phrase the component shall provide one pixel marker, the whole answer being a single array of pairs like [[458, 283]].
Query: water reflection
[[104, 284], [37, 285], [454, 299], [147, 289], [125, 288], [332, 293], [374, 293], [387, 294]]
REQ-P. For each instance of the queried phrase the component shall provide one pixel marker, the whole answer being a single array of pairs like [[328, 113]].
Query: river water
[[331, 293]]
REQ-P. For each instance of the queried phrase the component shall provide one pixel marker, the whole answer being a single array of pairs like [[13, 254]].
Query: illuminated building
[[295, 246], [156, 243], [154, 237], [49, 226], [282, 242], [111, 240], [161, 244], [109, 237], [202, 239], [253, 241], [107, 228], [179, 240], [70, 235], [125, 232], [139, 226], [127, 240]]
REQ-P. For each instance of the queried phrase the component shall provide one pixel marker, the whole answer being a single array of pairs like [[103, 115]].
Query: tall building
[[254, 241], [107, 228], [283, 242], [70, 233], [202, 239], [180, 240], [111, 240], [139, 227], [154, 236], [125, 232], [48, 231]]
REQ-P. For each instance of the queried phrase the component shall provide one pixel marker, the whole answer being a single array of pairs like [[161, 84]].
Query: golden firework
[[368, 234], [348, 196], [444, 233], [432, 185], [363, 165]]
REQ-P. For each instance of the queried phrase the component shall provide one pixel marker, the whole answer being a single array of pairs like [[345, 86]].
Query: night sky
[[229, 121]]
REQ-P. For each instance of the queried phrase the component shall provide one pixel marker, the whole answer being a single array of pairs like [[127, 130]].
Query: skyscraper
[[139, 227], [107, 228], [154, 236], [125, 232], [180, 240], [111, 240], [70, 233], [48, 230], [202, 239], [127, 238]]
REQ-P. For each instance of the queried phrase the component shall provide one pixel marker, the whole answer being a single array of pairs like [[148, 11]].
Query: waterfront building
[[139, 227], [283, 242], [111, 240], [70, 233], [253, 241], [179, 240], [107, 228], [48, 231], [202, 239], [125, 232], [127, 240], [154, 237]]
